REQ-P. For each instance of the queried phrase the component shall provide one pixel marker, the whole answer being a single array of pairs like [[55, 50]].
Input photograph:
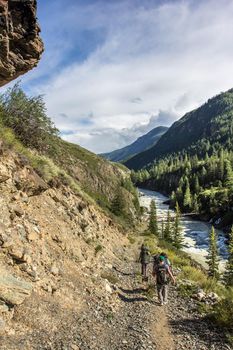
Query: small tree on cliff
[[153, 222], [118, 203], [213, 257], [27, 117], [228, 276]]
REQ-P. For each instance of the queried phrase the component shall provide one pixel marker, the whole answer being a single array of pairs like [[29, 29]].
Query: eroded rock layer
[[20, 44]]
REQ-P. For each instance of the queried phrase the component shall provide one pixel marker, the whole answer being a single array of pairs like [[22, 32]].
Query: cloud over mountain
[[127, 66]]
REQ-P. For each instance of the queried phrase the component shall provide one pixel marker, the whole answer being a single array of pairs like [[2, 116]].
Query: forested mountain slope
[[210, 123], [194, 161]]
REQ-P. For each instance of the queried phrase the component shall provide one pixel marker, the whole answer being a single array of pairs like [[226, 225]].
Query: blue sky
[[113, 70]]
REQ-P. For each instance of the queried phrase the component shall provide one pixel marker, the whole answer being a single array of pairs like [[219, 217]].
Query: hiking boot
[[165, 302], [161, 303]]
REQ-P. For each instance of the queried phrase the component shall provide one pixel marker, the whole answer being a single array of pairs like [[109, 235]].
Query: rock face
[[20, 44]]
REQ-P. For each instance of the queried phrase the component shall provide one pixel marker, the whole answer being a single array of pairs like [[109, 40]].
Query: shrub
[[98, 248], [223, 311], [26, 116], [110, 277]]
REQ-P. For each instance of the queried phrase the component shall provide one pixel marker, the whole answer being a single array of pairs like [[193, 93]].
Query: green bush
[[223, 311], [98, 248], [110, 277], [26, 116]]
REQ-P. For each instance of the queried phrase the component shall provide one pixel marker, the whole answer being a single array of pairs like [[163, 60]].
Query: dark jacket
[[144, 257]]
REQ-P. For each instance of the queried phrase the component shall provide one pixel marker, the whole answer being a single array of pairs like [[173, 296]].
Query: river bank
[[221, 222]]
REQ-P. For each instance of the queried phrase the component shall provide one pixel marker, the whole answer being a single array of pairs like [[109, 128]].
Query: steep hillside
[[211, 122], [57, 243], [21, 46], [58, 161], [54, 248], [141, 144]]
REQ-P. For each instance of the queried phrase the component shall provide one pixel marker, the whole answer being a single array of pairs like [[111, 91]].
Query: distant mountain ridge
[[141, 144], [209, 122]]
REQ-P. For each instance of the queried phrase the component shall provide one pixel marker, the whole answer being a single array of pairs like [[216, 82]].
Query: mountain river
[[196, 233]]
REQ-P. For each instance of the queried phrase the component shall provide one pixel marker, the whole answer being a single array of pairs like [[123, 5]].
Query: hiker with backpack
[[144, 259], [163, 273]]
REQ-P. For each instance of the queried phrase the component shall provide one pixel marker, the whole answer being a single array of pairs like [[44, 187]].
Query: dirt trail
[[126, 317], [141, 323]]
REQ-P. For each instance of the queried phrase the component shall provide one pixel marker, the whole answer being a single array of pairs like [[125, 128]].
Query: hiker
[[144, 259], [167, 261], [162, 272]]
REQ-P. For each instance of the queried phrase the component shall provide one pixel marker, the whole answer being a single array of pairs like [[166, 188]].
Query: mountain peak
[[143, 143]]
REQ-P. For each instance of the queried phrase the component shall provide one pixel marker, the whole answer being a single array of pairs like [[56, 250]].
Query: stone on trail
[[108, 288], [12, 290]]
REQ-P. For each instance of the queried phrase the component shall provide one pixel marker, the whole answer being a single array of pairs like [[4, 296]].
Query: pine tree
[[173, 200], [213, 257], [187, 197], [177, 230], [162, 230], [167, 229], [195, 204], [118, 204], [196, 185], [228, 175], [153, 222], [221, 165], [228, 276]]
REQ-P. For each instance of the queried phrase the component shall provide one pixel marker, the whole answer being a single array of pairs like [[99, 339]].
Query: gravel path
[[127, 317], [134, 320]]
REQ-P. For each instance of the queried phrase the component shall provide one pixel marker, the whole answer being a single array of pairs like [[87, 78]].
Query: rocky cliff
[[20, 44]]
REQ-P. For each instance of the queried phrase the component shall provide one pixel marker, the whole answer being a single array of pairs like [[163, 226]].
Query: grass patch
[[98, 249], [131, 239], [110, 277]]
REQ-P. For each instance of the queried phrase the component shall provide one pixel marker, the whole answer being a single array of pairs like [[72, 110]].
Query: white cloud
[[157, 60]]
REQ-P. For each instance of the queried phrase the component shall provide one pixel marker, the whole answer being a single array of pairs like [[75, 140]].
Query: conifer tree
[[153, 222], [118, 204], [173, 199], [167, 229], [187, 197], [221, 165], [195, 204], [228, 175], [162, 230], [196, 185], [177, 230], [228, 276], [213, 257]]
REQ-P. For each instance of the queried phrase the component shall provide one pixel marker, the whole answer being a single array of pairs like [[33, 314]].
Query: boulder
[[13, 291], [55, 270], [108, 288], [28, 181], [17, 210], [17, 253]]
